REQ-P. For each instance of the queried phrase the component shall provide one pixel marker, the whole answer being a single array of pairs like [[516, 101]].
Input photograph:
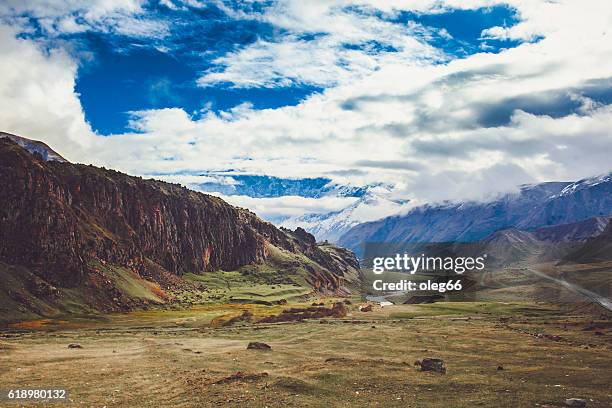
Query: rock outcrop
[[60, 219]]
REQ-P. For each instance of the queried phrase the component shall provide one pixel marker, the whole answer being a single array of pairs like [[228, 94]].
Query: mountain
[[34, 147], [532, 207], [260, 186], [75, 234], [590, 197], [509, 246], [332, 225]]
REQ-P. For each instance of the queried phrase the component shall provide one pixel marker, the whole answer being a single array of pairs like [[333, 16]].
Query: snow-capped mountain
[[584, 184], [374, 204], [534, 206], [262, 186]]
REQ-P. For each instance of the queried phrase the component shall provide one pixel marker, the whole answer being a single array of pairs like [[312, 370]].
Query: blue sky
[[434, 99], [123, 73]]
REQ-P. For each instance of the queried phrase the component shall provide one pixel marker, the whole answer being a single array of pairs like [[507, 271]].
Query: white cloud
[[278, 208], [37, 96], [71, 16], [314, 49], [383, 108]]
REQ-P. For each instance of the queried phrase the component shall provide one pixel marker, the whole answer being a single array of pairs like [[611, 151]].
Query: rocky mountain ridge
[[65, 222]]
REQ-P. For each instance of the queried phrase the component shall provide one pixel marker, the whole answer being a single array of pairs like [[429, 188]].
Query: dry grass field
[[539, 356]]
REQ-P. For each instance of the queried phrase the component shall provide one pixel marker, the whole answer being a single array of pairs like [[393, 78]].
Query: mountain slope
[[579, 231], [104, 236], [532, 207], [596, 249]]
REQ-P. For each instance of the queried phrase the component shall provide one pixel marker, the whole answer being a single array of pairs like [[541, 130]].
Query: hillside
[[76, 238], [596, 249]]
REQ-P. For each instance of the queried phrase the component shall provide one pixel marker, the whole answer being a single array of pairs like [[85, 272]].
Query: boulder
[[432, 364], [365, 308], [575, 403], [256, 345]]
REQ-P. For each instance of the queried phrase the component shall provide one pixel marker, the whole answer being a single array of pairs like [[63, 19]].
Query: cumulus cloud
[[434, 127], [38, 98]]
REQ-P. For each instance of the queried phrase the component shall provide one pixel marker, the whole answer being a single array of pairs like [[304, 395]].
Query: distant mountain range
[[530, 209], [371, 201], [259, 186], [373, 204]]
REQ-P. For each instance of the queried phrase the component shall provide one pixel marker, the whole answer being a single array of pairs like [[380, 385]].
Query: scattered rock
[[347, 302], [575, 403], [75, 346], [598, 333], [365, 308], [255, 345], [500, 368], [282, 301], [432, 364]]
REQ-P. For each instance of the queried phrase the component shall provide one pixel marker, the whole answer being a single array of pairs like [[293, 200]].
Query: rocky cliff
[[62, 221]]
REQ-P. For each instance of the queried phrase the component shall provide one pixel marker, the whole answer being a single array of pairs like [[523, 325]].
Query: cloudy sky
[[437, 99]]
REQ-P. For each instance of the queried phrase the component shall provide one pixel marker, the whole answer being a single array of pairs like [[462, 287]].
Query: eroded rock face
[[57, 217]]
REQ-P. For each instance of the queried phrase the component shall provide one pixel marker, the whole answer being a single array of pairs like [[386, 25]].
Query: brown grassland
[[177, 358]]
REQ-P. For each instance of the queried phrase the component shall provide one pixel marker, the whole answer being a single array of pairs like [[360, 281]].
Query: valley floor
[[537, 357]]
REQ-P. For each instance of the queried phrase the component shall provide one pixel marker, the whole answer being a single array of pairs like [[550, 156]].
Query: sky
[[435, 99]]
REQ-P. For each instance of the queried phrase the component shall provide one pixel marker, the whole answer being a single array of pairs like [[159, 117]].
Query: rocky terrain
[[75, 234]]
